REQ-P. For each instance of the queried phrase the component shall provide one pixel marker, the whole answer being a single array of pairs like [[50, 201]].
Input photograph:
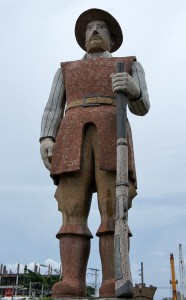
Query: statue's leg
[[74, 195], [74, 252], [105, 184], [106, 203]]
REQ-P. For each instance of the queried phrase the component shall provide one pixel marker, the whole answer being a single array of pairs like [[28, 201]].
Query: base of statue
[[141, 292], [97, 298], [90, 298]]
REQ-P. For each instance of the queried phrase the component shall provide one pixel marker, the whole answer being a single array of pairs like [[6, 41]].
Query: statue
[[78, 145]]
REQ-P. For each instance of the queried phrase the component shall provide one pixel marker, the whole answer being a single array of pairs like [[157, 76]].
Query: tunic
[[88, 81]]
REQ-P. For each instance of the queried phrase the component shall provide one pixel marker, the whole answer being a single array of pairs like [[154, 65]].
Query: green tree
[[90, 291], [39, 283]]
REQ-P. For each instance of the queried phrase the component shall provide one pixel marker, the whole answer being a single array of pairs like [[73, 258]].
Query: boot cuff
[[75, 229], [106, 227], [109, 227]]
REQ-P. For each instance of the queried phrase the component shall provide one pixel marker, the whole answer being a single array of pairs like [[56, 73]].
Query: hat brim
[[98, 14]]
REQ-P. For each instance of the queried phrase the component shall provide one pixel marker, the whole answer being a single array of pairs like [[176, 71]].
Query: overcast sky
[[36, 35]]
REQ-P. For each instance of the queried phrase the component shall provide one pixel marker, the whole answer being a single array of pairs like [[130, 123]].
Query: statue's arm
[[53, 113], [54, 110], [141, 105]]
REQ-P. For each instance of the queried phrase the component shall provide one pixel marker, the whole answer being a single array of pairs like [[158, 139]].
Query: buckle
[[85, 99]]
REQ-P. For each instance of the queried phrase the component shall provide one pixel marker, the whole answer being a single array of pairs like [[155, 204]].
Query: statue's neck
[[97, 54]]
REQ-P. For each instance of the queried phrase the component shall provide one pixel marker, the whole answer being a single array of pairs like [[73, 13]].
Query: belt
[[91, 101]]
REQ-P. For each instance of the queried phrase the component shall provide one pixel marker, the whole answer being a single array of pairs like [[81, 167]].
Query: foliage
[[37, 283], [40, 285], [90, 291]]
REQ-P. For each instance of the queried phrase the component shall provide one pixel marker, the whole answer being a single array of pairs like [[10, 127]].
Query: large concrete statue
[[78, 145]]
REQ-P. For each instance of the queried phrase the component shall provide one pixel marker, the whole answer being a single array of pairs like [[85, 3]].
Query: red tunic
[[89, 78]]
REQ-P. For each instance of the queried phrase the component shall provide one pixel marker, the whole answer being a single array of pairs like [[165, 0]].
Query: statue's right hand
[[46, 150]]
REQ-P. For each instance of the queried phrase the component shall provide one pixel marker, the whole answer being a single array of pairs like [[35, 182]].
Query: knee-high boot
[[106, 247], [74, 251]]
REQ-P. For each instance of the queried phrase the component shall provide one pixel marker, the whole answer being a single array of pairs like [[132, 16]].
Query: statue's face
[[98, 37]]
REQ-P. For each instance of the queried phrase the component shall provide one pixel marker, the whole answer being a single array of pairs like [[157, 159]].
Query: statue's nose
[[95, 30]]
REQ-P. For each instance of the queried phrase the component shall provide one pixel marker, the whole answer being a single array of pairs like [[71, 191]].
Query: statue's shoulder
[[63, 63], [127, 58], [128, 61]]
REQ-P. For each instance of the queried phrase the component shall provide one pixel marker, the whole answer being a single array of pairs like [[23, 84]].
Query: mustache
[[95, 35]]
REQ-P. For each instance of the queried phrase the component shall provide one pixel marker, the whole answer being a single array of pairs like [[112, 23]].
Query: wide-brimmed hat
[[98, 14]]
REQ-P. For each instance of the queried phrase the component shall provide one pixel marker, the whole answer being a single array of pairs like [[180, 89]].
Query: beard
[[96, 46]]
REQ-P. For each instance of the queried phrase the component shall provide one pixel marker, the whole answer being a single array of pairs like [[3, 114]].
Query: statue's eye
[[88, 28]]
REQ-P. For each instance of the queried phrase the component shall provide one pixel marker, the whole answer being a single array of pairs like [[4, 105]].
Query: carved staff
[[123, 279]]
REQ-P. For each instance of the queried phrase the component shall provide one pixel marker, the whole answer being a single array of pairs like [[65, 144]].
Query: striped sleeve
[[141, 106], [54, 109]]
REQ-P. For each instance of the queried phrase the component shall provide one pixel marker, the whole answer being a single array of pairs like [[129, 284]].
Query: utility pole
[[141, 274], [1, 272], [42, 290], [30, 289], [95, 273], [17, 279], [49, 270], [182, 273]]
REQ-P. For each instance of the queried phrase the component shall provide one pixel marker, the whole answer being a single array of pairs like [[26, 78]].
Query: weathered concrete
[[142, 292]]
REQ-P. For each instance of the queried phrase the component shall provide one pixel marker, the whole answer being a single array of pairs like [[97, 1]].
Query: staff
[[123, 279]]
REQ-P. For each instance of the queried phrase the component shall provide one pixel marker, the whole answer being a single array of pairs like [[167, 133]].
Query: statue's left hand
[[46, 150], [123, 82]]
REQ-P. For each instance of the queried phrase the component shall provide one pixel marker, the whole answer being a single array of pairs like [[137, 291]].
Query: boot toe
[[69, 288], [107, 289]]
